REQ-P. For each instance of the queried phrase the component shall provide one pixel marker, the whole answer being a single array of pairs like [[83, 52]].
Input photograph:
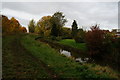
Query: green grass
[[16, 61], [72, 43], [61, 66]]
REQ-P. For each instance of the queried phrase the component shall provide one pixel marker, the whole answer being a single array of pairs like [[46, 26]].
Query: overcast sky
[[85, 13]]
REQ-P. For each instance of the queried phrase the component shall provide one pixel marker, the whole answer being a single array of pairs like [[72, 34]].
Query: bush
[[80, 36], [94, 41], [55, 38], [66, 33], [79, 40], [66, 37], [58, 38], [117, 44], [116, 50]]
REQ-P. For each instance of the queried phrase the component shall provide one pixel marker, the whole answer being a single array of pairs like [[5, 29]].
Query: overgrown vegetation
[[102, 44], [62, 66]]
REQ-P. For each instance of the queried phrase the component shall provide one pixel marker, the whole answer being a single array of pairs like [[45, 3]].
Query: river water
[[77, 57]]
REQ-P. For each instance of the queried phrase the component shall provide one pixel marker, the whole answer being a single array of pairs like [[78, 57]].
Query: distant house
[[117, 32]]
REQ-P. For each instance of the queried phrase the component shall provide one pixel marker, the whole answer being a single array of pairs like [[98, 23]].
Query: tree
[[74, 29], [15, 25], [54, 30], [47, 33], [31, 26], [5, 23], [66, 33], [37, 29], [23, 29], [44, 22], [11, 26], [94, 41], [58, 21], [44, 25]]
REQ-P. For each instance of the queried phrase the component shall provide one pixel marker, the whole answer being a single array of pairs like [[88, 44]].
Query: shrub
[[55, 38], [80, 36], [94, 40], [79, 40], [58, 38]]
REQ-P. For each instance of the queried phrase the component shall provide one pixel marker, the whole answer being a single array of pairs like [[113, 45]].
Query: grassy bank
[[62, 66], [17, 61], [72, 43]]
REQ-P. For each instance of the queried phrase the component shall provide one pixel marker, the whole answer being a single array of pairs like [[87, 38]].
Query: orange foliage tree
[[23, 29], [5, 23], [11, 26]]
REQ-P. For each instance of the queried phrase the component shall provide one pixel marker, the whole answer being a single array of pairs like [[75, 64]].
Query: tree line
[[48, 25], [54, 26]]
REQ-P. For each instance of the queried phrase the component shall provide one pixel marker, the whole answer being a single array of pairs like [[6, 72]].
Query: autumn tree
[[50, 25], [37, 29], [11, 26], [23, 29], [43, 26], [5, 24], [31, 26], [57, 21], [94, 41], [15, 25], [74, 29]]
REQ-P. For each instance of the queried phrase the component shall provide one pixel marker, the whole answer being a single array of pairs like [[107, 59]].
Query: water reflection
[[82, 60], [77, 59], [66, 53]]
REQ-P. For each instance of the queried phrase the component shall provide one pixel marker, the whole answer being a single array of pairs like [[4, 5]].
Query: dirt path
[[19, 63]]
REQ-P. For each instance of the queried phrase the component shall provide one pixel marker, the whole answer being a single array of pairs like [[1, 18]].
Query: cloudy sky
[[85, 13]]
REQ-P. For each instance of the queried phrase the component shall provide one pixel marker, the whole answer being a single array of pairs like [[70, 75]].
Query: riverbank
[[55, 44], [62, 66], [24, 57], [79, 52]]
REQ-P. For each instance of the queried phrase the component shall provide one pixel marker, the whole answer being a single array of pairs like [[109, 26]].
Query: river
[[80, 56]]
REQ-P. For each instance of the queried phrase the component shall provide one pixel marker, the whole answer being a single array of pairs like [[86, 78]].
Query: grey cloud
[[86, 13]]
